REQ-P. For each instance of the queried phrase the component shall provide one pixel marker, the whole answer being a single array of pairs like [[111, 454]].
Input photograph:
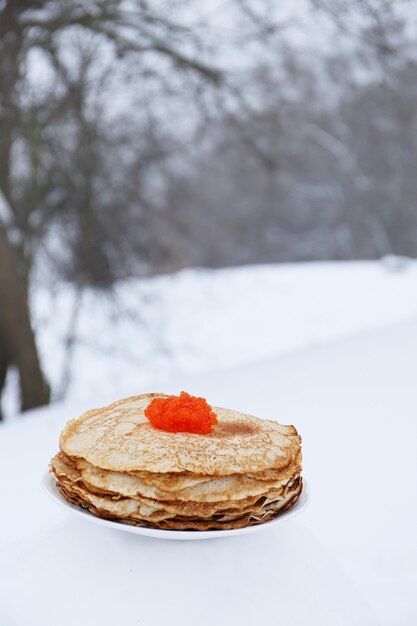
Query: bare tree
[[33, 187], [324, 169]]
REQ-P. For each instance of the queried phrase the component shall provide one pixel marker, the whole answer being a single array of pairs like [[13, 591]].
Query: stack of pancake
[[115, 464]]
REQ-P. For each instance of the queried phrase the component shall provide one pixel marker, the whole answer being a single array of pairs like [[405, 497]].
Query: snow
[[329, 347], [198, 320], [353, 401]]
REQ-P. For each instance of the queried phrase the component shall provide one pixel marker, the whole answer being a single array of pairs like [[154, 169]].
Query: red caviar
[[181, 414]]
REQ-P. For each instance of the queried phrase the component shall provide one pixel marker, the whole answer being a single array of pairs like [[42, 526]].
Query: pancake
[[234, 487], [127, 508], [181, 523], [71, 479], [116, 465], [120, 438]]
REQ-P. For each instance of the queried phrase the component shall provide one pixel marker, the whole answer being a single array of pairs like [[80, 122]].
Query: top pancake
[[120, 438]]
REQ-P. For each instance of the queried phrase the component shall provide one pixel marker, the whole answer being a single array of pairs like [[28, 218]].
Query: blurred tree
[[52, 147], [323, 168]]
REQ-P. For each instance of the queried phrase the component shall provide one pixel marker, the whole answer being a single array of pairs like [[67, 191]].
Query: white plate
[[184, 535]]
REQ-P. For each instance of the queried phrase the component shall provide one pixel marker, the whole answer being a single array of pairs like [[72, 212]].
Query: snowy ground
[[198, 320], [329, 347]]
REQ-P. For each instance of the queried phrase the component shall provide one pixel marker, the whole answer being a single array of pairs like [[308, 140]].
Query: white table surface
[[56, 569]]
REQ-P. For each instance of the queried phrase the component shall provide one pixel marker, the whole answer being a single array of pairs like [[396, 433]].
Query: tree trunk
[[18, 341], [4, 364]]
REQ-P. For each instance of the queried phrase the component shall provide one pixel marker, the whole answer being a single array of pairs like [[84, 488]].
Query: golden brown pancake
[[120, 438], [116, 465]]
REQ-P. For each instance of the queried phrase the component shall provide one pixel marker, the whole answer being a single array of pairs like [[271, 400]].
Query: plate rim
[[49, 486]]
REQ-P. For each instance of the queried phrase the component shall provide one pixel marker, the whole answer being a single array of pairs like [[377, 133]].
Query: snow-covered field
[[198, 320], [329, 347]]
